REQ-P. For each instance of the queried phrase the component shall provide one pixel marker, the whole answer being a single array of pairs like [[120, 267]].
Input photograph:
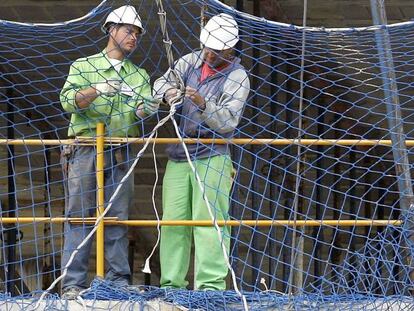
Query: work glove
[[109, 87], [171, 95], [151, 106]]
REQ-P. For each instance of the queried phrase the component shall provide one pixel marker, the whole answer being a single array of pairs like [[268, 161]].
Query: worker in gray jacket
[[216, 89]]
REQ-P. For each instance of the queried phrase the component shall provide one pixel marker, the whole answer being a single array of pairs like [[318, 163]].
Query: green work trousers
[[182, 199]]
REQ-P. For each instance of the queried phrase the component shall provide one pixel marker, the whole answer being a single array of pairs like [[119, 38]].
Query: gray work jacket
[[225, 94]]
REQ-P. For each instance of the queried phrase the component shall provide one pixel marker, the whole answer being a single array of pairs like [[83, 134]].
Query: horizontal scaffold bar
[[219, 141], [207, 223]]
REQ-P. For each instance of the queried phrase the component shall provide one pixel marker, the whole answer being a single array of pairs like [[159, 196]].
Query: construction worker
[[106, 87], [217, 87]]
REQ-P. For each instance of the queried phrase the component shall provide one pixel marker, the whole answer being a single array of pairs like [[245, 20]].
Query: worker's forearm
[[85, 97]]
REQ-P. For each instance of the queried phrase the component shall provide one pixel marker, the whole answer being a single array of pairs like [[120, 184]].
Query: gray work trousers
[[81, 202]]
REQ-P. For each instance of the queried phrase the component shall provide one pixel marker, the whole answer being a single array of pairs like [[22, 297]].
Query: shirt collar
[[236, 60], [106, 64]]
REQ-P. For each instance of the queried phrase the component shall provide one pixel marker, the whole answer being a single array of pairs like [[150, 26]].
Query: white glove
[[109, 88], [151, 107], [171, 94]]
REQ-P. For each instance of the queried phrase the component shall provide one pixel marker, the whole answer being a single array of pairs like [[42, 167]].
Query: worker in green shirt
[[106, 87]]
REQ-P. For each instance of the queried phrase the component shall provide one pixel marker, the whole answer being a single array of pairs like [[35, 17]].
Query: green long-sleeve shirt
[[118, 112]]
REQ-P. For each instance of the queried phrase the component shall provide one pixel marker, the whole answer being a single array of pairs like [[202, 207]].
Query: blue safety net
[[318, 189]]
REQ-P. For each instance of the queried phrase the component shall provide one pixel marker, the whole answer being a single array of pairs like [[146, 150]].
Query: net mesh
[[342, 168]]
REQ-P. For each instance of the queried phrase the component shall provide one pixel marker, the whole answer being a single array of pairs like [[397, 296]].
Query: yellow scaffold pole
[[259, 223], [219, 141], [100, 142], [113, 221]]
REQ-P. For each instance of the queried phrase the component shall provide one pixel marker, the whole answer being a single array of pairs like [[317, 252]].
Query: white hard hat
[[220, 33], [124, 15]]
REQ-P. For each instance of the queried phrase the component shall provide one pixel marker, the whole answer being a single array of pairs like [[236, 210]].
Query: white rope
[[294, 252], [213, 218], [226, 7], [174, 102], [180, 85], [57, 24], [221, 6], [101, 216], [147, 268]]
